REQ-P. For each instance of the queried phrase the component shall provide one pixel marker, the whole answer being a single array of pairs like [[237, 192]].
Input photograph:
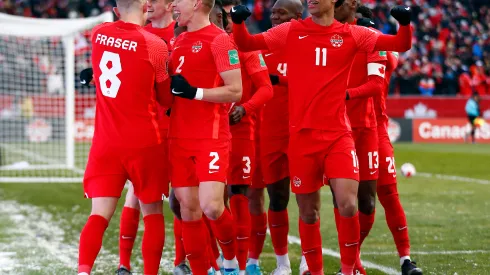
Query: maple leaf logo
[[382, 70]]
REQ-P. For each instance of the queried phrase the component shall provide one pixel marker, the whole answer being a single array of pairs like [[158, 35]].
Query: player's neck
[[199, 21], [323, 20], [351, 19], [163, 22], [132, 18]]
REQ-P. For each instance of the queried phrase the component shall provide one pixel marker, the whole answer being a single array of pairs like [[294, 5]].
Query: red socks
[[348, 231], [213, 250], [257, 236], [224, 231], [179, 244], [279, 227], [311, 245], [195, 238], [91, 242], [366, 223], [128, 229], [153, 242], [395, 217], [242, 222]]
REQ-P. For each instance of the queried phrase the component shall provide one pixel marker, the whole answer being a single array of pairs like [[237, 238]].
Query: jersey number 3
[[110, 74]]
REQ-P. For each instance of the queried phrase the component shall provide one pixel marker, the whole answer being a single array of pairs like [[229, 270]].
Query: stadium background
[[40, 223]]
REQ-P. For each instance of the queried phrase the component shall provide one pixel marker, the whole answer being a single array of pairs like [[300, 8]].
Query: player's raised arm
[[228, 67], [376, 67], [272, 40], [257, 70]]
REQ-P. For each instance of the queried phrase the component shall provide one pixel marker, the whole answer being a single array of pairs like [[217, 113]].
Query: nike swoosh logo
[[350, 244], [212, 172], [372, 173], [175, 48], [176, 93], [267, 54], [407, 8], [83, 82], [394, 175], [126, 238], [224, 242], [401, 228], [356, 171], [233, 9], [246, 177], [241, 238], [301, 37], [260, 234]]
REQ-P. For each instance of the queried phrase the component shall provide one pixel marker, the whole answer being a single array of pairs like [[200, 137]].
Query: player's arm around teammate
[[206, 75]]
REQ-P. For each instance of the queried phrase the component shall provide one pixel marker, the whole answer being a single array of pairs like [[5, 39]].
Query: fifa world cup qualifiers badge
[[233, 56]]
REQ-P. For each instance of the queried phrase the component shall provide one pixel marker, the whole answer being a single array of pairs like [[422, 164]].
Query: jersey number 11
[[321, 58]]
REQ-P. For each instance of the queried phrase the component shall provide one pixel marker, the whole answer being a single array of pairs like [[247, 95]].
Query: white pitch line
[[455, 252], [332, 253], [453, 178]]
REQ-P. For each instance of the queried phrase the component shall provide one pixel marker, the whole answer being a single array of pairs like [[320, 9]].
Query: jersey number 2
[[321, 59], [110, 74]]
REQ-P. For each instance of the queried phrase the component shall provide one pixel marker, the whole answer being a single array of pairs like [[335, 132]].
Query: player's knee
[[174, 205], [255, 201], [367, 203], [309, 212], [347, 207], [279, 195], [237, 190], [212, 208], [152, 208]]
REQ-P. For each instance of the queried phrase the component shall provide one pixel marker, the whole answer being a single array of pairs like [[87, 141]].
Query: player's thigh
[[105, 175], [188, 198], [366, 143], [211, 194], [181, 163], [341, 160], [148, 173], [104, 206], [242, 162], [274, 160], [387, 168], [131, 200], [305, 162], [212, 159]]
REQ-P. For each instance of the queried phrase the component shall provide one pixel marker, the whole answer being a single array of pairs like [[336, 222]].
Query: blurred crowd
[[451, 53]]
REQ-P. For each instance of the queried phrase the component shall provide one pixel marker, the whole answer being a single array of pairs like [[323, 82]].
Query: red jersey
[[199, 57], [361, 111], [166, 33], [380, 101], [326, 57], [126, 110], [275, 114], [252, 62]]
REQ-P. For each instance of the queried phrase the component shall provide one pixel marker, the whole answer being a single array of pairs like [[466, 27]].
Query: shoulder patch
[[396, 54], [262, 62], [382, 53], [233, 57]]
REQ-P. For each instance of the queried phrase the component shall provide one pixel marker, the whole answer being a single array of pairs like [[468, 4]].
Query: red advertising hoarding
[[447, 130]]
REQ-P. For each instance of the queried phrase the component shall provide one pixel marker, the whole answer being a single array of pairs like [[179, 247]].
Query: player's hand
[[274, 79], [86, 77], [181, 88], [366, 22], [402, 14], [237, 114], [239, 14]]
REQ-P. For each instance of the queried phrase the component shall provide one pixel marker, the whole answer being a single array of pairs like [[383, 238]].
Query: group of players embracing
[[221, 115]]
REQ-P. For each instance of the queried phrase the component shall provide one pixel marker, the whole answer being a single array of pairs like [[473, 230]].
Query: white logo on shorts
[[297, 181]]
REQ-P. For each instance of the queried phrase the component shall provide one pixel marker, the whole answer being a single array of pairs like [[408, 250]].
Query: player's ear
[[299, 15], [169, 6], [197, 4], [116, 11]]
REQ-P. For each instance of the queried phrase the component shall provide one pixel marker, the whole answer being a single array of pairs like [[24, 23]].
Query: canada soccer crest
[[172, 42], [337, 41], [197, 47]]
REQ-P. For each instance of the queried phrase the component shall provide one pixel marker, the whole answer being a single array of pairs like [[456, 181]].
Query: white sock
[[252, 261], [217, 272], [303, 259], [402, 259], [242, 272], [219, 262], [83, 273], [210, 270], [229, 264], [283, 260]]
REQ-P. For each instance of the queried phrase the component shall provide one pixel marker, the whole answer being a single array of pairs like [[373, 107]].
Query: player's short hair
[[365, 12], [339, 3], [208, 4], [124, 4], [231, 2]]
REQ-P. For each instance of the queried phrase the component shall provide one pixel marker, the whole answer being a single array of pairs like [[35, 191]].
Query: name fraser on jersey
[[116, 42]]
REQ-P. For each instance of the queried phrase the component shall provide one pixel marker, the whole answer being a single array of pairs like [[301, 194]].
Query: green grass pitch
[[449, 221]]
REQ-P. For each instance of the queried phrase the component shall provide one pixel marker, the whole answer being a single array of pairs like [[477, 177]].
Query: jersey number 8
[[110, 74]]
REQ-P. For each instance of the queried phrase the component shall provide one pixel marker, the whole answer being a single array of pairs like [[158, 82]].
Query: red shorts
[[197, 160], [108, 169], [387, 170], [274, 160], [242, 162], [313, 153], [366, 140]]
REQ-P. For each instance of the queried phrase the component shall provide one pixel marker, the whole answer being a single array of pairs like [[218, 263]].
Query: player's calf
[[153, 237], [279, 220], [128, 229], [258, 228], [366, 200]]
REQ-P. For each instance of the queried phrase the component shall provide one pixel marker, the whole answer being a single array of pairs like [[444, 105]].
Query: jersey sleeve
[[225, 53], [157, 54], [275, 37], [254, 62], [98, 27], [376, 63], [365, 38]]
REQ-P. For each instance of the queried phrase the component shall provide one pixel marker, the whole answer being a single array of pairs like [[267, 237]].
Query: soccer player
[[365, 81], [256, 91], [162, 25], [274, 138], [128, 142], [206, 78], [472, 109], [320, 133]]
